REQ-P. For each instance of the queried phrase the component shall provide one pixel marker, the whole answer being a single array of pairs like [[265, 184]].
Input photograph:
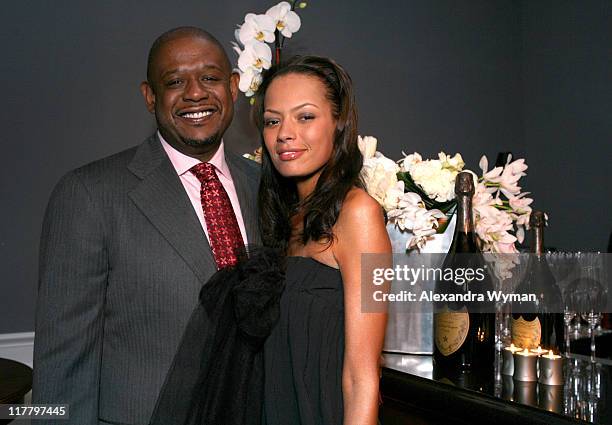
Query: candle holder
[[525, 366], [551, 369], [508, 359], [538, 351]]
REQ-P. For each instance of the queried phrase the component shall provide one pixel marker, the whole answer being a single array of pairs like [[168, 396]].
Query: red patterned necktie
[[223, 231]]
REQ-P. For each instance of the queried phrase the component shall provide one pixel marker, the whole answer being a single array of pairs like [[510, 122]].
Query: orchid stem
[[277, 47]]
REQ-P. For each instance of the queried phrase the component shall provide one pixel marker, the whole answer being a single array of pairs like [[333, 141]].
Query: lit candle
[[551, 369], [508, 359], [539, 351], [525, 366]]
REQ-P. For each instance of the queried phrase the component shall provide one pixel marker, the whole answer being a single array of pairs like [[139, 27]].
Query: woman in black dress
[[280, 338], [322, 357]]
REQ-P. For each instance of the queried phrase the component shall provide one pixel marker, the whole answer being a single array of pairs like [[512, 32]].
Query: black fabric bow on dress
[[216, 377]]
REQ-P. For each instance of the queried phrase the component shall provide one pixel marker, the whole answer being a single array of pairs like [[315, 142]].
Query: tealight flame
[[513, 348], [551, 355]]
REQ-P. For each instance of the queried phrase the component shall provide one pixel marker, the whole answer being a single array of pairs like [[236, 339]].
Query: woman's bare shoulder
[[360, 229], [360, 207]]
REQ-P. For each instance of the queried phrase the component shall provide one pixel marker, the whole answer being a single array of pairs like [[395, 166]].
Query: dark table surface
[[410, 384]]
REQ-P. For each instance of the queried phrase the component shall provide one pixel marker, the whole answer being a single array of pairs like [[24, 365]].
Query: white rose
[[409, 161], [437, 182], [454, 163], [380, 176], [367, 146], [379, 180]]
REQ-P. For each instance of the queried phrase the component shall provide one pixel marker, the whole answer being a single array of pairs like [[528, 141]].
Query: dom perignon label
[[451, 330], [526, 333]]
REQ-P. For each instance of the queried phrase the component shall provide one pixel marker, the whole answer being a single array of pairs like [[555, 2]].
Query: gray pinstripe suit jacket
[[122, 259]]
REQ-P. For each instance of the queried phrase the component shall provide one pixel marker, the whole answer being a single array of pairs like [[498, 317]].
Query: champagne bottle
[[540, 323], [464, 331]]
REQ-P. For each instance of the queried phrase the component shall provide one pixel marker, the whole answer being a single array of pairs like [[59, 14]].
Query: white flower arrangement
[[496, 218], [418, 195], [435, 176], [379, 173], [252, 38]]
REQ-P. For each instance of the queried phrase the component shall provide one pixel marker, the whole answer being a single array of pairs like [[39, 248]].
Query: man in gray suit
[[125, 247]]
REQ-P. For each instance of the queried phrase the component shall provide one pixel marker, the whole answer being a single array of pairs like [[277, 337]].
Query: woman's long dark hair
[[277, 198]]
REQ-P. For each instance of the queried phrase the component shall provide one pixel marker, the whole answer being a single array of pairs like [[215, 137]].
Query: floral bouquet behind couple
[[418, 196]]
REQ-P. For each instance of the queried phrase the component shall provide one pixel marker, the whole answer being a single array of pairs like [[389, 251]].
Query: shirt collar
[[183, 163]]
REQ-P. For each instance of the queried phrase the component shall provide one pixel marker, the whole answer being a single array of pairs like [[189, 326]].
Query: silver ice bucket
[[411, 330]]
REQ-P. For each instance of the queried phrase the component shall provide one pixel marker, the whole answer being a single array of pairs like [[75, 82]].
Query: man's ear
[[149, 96], [234, 81]]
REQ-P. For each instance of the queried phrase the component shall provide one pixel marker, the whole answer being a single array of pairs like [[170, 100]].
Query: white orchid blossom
[[412, 215], [250, 80], [496, 219], [279, 22], [504, 179], [510, 177], [256, 28], [286, 21], [255, 55]]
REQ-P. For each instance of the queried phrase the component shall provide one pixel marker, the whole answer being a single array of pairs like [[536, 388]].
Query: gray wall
[[475, 76], [567, 74]]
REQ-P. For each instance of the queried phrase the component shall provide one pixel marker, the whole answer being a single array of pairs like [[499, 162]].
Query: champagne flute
[[594, 297], [568, 315]]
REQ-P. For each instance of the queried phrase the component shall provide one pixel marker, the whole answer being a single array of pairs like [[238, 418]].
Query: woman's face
[[299, 126]]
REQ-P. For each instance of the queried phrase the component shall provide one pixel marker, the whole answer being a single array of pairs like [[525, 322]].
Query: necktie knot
[[204, 172]]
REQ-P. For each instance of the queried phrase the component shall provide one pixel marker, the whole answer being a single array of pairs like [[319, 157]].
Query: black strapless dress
[[304, 353]]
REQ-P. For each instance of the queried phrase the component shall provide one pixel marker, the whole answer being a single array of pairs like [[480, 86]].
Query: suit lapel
[[162, 199], [246, 188]]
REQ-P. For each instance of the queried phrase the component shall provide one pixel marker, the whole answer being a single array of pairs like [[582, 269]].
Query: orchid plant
[[253, 35], [418, 195]]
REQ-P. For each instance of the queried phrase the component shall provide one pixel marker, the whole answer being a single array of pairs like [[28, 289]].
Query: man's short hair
[[177, 33]]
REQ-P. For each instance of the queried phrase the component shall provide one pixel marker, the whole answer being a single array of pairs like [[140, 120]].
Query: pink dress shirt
[[182, 163]]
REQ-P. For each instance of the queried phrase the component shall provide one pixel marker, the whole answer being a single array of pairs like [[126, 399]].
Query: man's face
[[192, 93]]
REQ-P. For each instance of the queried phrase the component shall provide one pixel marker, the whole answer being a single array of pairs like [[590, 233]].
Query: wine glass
[[594, 293], [564, 267], [568, 315]]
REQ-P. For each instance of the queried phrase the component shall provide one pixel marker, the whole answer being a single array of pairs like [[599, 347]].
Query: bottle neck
[[538, 241], [464, 214]]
